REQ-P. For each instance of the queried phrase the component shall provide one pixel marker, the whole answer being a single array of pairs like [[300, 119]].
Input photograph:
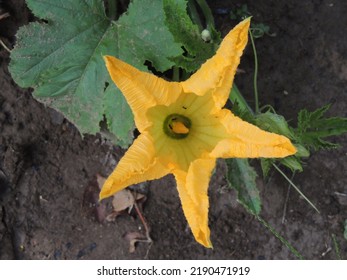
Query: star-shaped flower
[[184, 129]]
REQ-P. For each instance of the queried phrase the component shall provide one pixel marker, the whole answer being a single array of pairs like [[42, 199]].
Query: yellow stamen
[[179, 128]]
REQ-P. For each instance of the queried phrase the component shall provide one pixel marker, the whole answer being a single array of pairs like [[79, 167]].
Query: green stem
[[280, 238], [176, 74], [207, 13], [295, 187], [112, 9], [268, 107], [255, 84]]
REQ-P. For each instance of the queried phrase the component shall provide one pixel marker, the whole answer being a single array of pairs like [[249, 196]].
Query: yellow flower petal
[[217, 73], [192, 188], [142, 90], [137, 165], [248, 141]]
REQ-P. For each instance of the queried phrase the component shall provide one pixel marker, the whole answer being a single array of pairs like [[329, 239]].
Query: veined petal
[[137, 165], [142, 90], [248, 141], [192, 188], [217, 73]]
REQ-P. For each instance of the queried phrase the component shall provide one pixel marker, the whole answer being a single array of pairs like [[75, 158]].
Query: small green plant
[[61, 57], [240, 12]]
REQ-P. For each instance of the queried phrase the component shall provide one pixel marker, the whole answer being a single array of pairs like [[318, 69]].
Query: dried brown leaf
[[100, 180], [112, 216], [133, 238], [91, 201], [122, 200]]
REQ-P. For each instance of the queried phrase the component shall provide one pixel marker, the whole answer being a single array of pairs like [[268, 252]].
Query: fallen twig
[[5, 15], [4, 46]]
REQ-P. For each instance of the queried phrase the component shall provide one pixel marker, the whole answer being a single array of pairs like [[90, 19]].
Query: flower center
[[177, 126]]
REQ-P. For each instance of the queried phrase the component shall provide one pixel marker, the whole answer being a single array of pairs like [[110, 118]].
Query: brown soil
[[46, 166]]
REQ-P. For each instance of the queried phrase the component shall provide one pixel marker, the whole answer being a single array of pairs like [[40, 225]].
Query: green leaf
[[292, 162], [240, 107], [266, 164], [241, 176], [240, 13], [260, 29], [120, 117], [345, 230], [61, 58], [301, 151], [143, 36], [313, 127], [188, 35], [274, 123]]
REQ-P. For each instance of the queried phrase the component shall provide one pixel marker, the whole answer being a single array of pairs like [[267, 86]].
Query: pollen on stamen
[[178, 127]]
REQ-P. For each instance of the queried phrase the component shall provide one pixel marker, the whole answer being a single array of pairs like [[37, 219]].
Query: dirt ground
[[46, 166]]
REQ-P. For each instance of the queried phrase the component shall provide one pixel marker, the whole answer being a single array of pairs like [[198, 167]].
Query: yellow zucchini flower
[[184, 129]]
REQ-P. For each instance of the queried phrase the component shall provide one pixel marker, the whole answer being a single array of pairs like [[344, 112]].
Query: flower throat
[[177, 126]]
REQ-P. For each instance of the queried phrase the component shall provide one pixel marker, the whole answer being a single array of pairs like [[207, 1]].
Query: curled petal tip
[[208, 244], [292, 149]]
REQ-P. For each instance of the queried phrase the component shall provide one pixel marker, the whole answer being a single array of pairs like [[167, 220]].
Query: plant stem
[[4, 46], [207, 13], [176, 74], [255, 84], [295, 187], [267, 107], [285, 242], [5, 15], [112, 9]]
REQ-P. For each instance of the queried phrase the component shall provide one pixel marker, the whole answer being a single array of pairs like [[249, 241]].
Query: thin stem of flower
[[207, 13], [255, 83], [268, 107], [295, 187]]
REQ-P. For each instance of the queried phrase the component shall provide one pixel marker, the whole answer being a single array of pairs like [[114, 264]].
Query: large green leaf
[[241, 176], [61, 57]]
